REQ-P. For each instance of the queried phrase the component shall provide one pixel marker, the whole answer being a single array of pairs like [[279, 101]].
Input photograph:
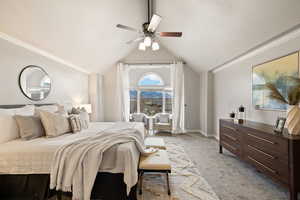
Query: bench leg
[[141, 182], [168, 184]]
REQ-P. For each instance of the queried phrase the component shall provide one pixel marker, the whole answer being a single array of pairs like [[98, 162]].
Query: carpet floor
[[186, 182], [230, 178]]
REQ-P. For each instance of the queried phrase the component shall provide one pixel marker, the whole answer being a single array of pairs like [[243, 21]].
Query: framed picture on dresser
[[279, 126]]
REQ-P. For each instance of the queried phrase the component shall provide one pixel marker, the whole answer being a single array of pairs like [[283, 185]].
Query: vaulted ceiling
[[84, 33]]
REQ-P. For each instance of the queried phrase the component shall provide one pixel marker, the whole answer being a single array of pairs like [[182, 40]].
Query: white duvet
[[35, 156]]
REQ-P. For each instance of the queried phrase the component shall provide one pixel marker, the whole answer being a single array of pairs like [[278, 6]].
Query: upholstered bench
[[155, 142], [157, 162]]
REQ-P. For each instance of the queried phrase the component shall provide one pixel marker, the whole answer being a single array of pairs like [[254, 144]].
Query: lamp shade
[[142, 46], [87, 107], [155, 46]]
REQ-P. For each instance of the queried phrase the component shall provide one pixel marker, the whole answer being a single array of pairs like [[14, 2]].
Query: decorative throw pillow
[[54, 124], [83, 115], [75, 123], [75, 111], [30, 127], [84, 119]]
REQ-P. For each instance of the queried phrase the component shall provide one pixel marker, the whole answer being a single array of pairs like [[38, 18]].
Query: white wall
[[68, 85], [232, 86], [192, 81]]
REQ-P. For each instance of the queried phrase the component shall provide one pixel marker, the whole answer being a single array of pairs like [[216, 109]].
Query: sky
[[151, 79]]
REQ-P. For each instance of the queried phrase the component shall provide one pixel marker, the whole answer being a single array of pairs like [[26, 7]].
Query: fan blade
[[127, 28], [135, 40], [170, 34], [155, 21]]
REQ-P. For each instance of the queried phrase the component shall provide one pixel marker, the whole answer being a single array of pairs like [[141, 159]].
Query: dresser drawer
[[266, 142], [230, 146], [274, 169], [230, 131], [230, 143]]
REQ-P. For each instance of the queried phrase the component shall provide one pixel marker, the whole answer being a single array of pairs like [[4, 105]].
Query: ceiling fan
[[148, 33]]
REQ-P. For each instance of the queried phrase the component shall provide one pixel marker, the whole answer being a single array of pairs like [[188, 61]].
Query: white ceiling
[[83, 31]]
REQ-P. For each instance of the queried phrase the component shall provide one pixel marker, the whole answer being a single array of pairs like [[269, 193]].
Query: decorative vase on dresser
[[293, 120], [275, 154]]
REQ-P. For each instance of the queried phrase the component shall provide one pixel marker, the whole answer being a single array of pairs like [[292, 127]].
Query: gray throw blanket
[[75, 165]]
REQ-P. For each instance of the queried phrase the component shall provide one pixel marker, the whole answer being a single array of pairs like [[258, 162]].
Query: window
[[151, 102], [151, 79], [168, 99], [133, 101], [150, 96]]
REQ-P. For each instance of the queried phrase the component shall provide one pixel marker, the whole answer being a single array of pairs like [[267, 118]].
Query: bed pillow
[[54, 124], [84, 119], [9, 128], [83, 115], [49, 108], [30, 127], [24, 111], [75, 123]]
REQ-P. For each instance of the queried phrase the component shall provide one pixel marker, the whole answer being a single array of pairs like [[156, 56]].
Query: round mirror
[[35, 83]]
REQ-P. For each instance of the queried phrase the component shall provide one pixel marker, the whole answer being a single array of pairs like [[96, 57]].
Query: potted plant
[[292, 100]]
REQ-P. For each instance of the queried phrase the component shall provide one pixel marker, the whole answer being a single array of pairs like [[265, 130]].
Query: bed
[[25, 166]]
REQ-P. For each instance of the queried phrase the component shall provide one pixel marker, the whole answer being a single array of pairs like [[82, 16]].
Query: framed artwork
[[273, 71]]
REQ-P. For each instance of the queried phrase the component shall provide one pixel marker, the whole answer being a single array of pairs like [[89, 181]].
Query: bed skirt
[[107, 186]]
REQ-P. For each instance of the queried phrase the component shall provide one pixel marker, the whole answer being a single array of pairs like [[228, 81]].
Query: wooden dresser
[[276, 155]]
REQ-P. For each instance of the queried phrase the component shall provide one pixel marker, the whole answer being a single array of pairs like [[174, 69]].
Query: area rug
[[185, 180]]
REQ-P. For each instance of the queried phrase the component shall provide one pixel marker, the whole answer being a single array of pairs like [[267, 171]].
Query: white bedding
[[35, 156]]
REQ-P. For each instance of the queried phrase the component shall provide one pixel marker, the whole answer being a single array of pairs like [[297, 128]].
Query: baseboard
[[209, 136], [216, 137], [193, 130]]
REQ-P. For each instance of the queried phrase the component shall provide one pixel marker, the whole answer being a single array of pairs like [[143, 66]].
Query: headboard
[[22, 105]]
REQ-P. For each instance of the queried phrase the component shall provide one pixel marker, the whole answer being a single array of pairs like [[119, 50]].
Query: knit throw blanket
[[76, 164]]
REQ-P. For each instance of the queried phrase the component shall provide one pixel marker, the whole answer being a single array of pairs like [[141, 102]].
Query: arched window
[[150, 95], [150, 79]]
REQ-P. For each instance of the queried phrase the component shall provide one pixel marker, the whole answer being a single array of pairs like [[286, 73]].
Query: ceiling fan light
[[142, 46], [155, 46], [147, 41]]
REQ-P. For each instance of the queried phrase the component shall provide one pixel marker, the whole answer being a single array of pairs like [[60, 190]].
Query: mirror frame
[[20, 86]]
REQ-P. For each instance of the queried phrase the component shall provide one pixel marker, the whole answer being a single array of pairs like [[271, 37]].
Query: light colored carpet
[[185, 180], [229, 177]]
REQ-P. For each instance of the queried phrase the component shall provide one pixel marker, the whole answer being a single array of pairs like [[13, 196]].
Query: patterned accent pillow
[[83, 115], [75, 123]]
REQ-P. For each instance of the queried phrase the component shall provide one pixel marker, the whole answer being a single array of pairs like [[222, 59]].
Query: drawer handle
[[260, 151], [230, 146], [264, 166], [233, 129], [230, 137], [262, 139]]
